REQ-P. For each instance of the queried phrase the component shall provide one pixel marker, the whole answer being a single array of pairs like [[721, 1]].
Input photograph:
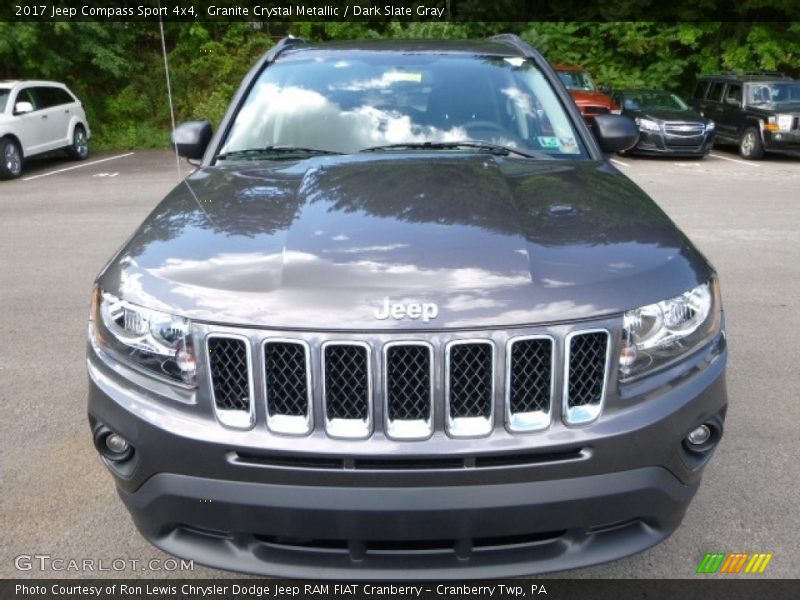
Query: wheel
[[750, 146], [11, 155], [79, 150]]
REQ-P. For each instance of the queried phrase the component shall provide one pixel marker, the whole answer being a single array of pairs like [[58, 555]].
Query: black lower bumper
[[382, 533]]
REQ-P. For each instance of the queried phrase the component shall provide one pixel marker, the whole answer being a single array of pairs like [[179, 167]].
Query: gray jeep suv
[[406, 320]]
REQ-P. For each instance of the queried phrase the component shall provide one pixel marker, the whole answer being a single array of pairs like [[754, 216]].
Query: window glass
[[27, 95], [734, 92], [4, 94], [700, 90], [577, 80], [350, 101], [715, 93], [53, 96]]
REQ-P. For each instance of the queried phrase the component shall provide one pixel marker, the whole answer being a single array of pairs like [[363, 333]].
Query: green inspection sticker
[[548, 142]]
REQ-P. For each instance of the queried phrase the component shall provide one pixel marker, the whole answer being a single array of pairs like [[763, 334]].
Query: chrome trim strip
[[400, 429], [583, 415], [347, 428], [535, 420], [289, 424], [235, 419], [464, 427]]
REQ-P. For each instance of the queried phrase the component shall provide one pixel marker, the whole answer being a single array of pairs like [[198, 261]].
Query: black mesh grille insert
[[408, 383], [287, 384], [531, 372], [227, 358], [470, 379], [346, 382], [587, 358]]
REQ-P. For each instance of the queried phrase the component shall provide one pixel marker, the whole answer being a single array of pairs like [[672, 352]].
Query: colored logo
[[734, 563]]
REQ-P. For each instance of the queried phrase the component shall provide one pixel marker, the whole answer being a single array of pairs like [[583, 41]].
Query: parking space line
[[736, 160], [89, 164], [618, 162]]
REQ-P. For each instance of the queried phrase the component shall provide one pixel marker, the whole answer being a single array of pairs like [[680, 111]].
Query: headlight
[[657, 334], [785, 122], [647, 124], [710, 126], [157, 342]]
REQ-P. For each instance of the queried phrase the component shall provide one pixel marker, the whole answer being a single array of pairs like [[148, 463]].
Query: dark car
[[406, 321], [759, 112], [667, 125], [590, 99]]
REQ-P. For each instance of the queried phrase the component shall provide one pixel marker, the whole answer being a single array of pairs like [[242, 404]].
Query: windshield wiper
[[489, 147], [273, 150]]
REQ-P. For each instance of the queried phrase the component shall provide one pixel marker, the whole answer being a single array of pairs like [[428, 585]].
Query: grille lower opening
[[470, 380], [230, 373]]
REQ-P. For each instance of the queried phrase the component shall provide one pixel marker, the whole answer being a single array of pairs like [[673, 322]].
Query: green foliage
[[118, 69]]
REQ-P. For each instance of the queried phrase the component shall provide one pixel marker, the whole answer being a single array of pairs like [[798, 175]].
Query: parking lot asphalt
[[59, 226]]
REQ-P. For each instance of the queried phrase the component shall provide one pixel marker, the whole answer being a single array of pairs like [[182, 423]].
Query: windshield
[[346, 102], [653, 101], [773, 93], [577, 80], [4, 93]]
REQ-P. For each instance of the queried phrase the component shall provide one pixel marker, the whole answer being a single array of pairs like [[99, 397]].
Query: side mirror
[[615, 133], [20, 108], [191, 138], [606, 89]]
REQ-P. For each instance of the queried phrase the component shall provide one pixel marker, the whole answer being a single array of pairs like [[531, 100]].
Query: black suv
[[760, 112]]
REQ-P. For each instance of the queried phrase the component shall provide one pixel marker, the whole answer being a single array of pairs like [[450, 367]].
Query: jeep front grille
[[529, 383], [231, 381], [347, 389], [408, 389], [467, 378], [469, 391], [585, 375], [288, 386]]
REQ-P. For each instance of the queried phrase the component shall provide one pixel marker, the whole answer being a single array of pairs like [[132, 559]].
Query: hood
[[665, 114], [582, 98], [322, 243]]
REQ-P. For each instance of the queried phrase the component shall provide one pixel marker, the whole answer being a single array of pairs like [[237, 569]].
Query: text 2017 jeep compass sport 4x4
[[406, 321]]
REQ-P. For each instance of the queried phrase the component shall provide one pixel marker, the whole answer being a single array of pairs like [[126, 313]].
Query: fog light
[[699, 436], [117, 444]]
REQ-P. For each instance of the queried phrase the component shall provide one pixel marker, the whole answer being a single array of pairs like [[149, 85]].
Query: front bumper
[[514, 505], [785, 142], [662, 144]]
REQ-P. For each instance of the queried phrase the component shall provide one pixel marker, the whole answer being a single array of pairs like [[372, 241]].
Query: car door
[[711, 105], [730, 121], [55, 116], [28, 127]]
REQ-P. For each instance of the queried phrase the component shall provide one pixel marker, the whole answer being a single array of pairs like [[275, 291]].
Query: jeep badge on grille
[[414, 310]]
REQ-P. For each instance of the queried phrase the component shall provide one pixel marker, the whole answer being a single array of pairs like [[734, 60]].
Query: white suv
[[37, 117]]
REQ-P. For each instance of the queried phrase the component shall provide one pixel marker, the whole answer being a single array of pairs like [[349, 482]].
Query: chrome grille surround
[[583, 413], [407, 429], [291, 424], [348, 428], [537, 420], [230, 417], [468, 426]]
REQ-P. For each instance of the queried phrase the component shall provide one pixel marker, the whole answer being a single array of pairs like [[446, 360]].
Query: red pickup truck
[[590, 100]]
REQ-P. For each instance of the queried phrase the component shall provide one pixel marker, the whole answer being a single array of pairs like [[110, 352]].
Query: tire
[[750, 146], [10, 159], [79, 150]]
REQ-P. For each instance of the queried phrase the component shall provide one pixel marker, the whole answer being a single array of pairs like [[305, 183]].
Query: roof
[[12, 83], [748, 76], [469, 47]]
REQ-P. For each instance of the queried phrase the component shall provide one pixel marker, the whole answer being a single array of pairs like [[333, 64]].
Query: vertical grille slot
[[288, 386], [229, 365], [347, 389], [529, 383], [585, 375], [408, 390], [469, 387]]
